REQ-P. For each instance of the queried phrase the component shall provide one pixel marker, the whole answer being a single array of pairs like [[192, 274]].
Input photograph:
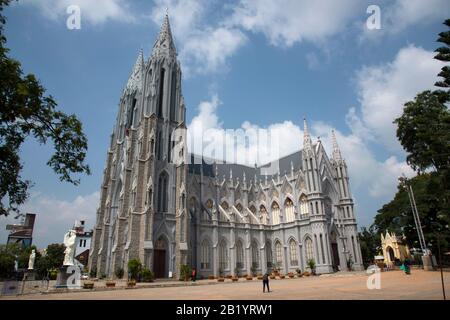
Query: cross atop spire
[[165, 45], [336, 151], [307, 143]]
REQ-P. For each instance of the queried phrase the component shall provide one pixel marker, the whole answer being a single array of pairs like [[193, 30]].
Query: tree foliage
[[26, 111], [396, 216], [443, 54], [424, 132], [370, 244]]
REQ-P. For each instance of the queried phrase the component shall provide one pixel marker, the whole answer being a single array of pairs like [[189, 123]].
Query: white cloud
[[248, 144], [368, 175], [405, 13], [54, 216], [285, 22], [203, 48], [384, 89], [92, 11], [210, 49]]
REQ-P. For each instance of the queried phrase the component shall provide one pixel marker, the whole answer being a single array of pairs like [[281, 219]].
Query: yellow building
[[394, 248]]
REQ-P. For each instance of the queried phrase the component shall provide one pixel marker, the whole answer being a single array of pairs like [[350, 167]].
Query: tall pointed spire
[[136, 75], [336, 151], [165, 45], [307, 143]]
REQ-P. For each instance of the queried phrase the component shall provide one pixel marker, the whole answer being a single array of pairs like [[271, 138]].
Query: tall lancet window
[[205, 255], [223, 255], [161, 93], [303, 206], [173, 95], [162, 192], [275, 213], [255, 255], [289, 210], [293, 252], [239, 255], [309, 249]]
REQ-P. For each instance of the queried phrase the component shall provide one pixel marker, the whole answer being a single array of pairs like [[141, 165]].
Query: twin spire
[[165, 45], [307, 142]]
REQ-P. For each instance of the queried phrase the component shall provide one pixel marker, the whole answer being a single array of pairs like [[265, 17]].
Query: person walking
[[194, 274], [266, 283]]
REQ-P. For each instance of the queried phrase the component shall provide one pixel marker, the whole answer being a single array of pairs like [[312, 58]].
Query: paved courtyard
[[394, 285]]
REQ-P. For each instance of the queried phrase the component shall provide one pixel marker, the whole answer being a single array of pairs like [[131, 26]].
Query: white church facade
[[219, 218]]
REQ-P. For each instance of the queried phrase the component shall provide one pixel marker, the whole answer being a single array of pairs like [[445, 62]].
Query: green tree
[[55, 255], [370, 242], [134, 269], [424, 132], [444, 55], [26, 111], [8, 254], [396, 216]]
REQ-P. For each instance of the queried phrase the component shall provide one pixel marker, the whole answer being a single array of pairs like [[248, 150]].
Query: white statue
[[69, 242], [31, 260]]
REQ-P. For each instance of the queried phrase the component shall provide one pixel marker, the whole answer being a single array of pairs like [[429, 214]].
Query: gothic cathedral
[[220, 218]]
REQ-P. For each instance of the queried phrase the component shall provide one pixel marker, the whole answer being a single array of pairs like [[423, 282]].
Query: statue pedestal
[[29, 275], [68, 277], [427, 264]]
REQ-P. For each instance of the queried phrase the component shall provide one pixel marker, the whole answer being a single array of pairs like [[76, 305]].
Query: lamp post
[[426, 259]]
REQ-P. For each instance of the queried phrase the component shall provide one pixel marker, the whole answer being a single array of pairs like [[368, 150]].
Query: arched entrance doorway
[[159, 258], [334, 250], [391, 254]]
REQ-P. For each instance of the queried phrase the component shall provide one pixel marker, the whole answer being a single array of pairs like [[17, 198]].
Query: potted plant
[[291, 275], [131, 283], [299, 272], [110, 283], [88, 285], [249, 277], [210, 277], [312, 266], [260, 276], [272, 276], [306, 274], [282, 276]]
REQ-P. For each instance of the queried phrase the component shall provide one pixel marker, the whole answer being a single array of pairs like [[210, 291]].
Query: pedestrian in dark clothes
[[266, 283]]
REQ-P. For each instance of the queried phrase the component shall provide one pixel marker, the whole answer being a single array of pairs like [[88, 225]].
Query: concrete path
[[394, 285]]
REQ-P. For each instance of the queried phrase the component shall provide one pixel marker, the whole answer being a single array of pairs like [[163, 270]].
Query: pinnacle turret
[[336, 151], [307, 142]]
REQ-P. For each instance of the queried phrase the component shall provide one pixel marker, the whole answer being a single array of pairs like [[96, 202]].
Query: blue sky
[[263, 64]]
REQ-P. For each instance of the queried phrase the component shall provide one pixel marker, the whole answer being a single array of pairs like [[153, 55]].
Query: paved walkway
[[394, 285]]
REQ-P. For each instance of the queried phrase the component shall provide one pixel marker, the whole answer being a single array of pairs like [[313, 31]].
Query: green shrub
[[134, 268], [93, 273], [311, 264], [52, 274], [185, 272], [147, 275], [119, 273]]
